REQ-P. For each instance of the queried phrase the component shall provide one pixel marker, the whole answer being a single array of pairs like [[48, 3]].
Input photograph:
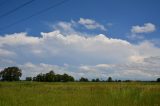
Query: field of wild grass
[[79, 94]]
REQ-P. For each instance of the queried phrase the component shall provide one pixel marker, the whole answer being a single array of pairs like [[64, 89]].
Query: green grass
[[79, 94]]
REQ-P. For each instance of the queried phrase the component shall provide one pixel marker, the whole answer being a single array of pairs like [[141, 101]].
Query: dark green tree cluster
[[52, 77], [110, 79], [82, 79], [98, 80], [11, 74], [95, 80]]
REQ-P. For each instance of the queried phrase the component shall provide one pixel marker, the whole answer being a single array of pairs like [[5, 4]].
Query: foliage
[[97, 80], [82, 79], [93, 80], [109, 79], [11, 74], [158, 79], [52, 77]]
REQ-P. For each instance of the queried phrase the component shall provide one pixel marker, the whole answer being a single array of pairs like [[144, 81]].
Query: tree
[[28, 78], [66, 78], [128, 81], [109, 79], [97, 80], [41, 77], [58, 78], [158, 79], [119, 80], [93, 80], [71, 79], [50, 76], [11, 74], [82, 79]]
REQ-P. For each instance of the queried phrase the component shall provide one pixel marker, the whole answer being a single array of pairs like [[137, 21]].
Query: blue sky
[[95, 37], [122, 14]]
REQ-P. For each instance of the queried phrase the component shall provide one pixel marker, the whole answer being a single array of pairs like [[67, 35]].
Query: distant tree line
[[14, 74], [51, 77]]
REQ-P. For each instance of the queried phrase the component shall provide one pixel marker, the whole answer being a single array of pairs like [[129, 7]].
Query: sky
[[83, 38]]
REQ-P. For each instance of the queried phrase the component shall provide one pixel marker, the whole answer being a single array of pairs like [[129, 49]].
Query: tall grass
[[79, 94]]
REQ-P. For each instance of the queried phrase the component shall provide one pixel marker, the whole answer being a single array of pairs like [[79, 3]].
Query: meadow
[[79, 94]]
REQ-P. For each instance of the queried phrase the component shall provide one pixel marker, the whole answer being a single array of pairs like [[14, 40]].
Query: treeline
[[14, 74], [51, 77]]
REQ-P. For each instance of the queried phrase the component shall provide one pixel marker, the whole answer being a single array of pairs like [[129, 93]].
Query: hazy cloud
[[91, 24]]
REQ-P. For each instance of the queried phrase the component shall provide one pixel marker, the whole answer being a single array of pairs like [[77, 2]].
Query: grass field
[[79, 94]]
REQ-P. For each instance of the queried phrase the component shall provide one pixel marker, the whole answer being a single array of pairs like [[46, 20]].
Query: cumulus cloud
[[72, 26], [65, 26], [72, 53], [91, 24], [18, 38], [146, 28], [137, 32]]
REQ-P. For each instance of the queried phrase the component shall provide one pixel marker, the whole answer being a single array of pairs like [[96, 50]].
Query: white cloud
[[137, 32], [69, 27], [30, 69], [136, 58], [92, 56], [91, 24], [64, 26], [18, 38], [6, 53], [146, 28]]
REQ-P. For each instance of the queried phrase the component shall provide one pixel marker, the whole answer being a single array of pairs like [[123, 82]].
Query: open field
[[79, 94]]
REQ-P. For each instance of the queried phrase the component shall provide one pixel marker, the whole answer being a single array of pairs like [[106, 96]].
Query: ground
[[79, 94]]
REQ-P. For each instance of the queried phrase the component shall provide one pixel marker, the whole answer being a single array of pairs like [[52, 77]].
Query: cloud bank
[[95, 56]]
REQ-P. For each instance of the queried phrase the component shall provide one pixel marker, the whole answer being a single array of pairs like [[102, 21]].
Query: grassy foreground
[[79, 94]]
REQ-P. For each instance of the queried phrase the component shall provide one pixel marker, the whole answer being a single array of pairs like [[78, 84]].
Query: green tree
[[50, 76], [109, 79], [11, 74], [28, 78], [71, 79], [41, 77], [93, 80], [66, 78], [97, 80], [82, 79], [58, 78], [119, 80], [158, 79]]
